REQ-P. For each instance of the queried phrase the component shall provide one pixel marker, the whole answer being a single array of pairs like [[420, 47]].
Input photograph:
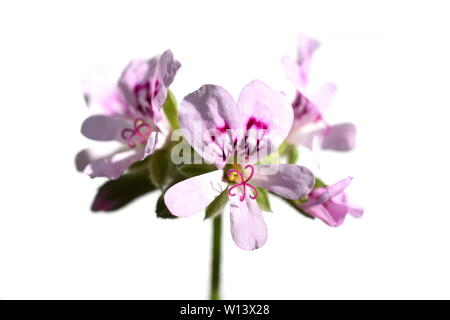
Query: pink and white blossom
[[331, 204], [261, 112], [309, 108], [129, 113]]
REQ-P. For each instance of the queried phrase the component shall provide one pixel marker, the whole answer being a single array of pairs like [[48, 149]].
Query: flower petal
[[205, 116], [297, 70], [105, 128], [352, 209], [330, 213], [103, 98], [323, 98], [168, 68], [305, 111], [334, 211], [330, 204], [356, 212], [193, 195], [289, 181], [152, 142], [266, 113], [306, 47], [322, 195], [294, 72], [248, 228], [144, 83], [339, 137], [111, 165], [134, 78]]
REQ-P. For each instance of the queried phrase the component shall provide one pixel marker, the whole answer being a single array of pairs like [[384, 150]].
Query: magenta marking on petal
[[297, 101], [244, 183], [130, 134], [258, 124], [223, 128], [146, 87], [303, 107], [156, 90]]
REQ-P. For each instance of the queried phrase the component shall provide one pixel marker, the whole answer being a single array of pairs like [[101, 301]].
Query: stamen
[[244, 183], [130, 134]]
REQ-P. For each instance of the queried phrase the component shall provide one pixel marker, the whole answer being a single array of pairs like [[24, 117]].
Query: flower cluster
[[214, 152]]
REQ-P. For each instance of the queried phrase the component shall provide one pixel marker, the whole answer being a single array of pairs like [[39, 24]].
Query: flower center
[[236, 175], [138, 134]]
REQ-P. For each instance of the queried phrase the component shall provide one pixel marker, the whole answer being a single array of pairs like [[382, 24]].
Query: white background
[[390, 61]]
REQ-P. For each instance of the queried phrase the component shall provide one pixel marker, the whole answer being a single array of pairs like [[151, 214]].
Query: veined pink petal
[[210, 117], [248, 228], [266, 114], [105, 128], [193, 195], [253, 128], [289, 181], [136, 74], [144, 84], [305, 111]]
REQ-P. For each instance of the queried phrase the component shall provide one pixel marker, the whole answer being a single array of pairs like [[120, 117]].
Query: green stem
[[215, 265]]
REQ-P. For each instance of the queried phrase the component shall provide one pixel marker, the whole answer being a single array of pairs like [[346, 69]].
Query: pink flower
[[308, 109], [330, 204], [227, 129], [128, 113]]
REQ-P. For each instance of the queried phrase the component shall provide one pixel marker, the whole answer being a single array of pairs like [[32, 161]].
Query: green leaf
[[216, 206], [115, 194], [159, 164], [170, 108], [282, 149], [290, 151], [319, 184], [140, 165], [191, 170], [263, 199], [295, 204]]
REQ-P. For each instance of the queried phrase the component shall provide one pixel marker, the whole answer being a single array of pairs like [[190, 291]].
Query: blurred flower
[[308, 109], [129, 113], [228, 128], [330, 204]]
